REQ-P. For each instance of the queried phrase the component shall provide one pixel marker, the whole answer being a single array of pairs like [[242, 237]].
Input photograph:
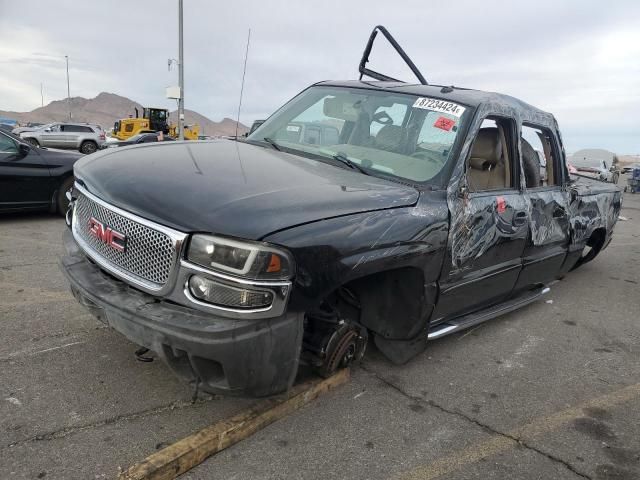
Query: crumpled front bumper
[[256, 357]]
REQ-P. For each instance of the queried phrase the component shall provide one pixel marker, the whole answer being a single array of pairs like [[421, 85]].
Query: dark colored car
[[6, 128], [29, 127], [33, 178], [148, 137], [239, 261]]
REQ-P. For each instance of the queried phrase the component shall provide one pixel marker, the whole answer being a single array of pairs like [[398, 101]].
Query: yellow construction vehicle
[[191, 132], [152, 120]]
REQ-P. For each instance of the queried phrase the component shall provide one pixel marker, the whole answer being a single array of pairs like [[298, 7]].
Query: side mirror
[[47, 130], [24, 150]]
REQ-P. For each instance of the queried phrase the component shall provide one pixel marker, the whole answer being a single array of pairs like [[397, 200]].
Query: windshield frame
[[439, 181]]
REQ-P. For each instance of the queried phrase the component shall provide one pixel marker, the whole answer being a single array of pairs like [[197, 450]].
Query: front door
[[489, 226], [52, 137], [24, 178]]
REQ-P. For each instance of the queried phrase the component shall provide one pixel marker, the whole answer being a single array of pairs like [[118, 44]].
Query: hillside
[[106, 108]]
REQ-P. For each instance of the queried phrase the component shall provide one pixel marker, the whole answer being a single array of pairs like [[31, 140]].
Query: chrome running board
[[476, 318]]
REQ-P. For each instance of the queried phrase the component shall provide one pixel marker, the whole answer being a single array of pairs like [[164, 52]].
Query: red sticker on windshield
[[501, 204], [444, 123]]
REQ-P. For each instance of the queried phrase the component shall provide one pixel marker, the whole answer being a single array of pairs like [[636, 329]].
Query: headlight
[[246, 259]]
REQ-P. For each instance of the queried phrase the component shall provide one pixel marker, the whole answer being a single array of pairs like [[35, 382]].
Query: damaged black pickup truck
[[360, 210]]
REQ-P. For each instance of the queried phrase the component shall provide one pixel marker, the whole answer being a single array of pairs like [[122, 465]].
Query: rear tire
[[33, 142], [62, 204], [88, 147]]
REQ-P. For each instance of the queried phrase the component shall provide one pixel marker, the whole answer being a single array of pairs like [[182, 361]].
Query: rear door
[[25, 181], [489, 225], [548, 242]]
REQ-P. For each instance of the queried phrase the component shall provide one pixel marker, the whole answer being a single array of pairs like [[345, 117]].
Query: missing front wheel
[[333, 340]]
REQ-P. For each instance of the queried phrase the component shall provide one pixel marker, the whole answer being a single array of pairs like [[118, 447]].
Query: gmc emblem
[[107, 235]]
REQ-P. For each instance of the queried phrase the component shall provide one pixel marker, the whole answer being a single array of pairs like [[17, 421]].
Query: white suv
[[86, 138]]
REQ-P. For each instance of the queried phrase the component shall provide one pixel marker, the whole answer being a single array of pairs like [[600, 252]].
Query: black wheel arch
[[56, 194], [594, 245], [394, 306]]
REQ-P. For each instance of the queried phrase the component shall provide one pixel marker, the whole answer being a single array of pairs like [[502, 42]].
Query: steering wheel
[[383, 118]]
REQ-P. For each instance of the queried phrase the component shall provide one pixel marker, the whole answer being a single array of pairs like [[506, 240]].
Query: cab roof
[[464, 96]]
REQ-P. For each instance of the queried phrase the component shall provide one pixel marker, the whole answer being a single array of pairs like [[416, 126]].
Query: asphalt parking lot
[[548, 392]]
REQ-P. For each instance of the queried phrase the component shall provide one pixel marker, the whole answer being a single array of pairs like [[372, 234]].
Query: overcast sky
[[577, 59]]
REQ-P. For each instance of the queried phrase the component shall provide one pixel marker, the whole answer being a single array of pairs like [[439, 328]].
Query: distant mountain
[[106, 108], [226, 127]]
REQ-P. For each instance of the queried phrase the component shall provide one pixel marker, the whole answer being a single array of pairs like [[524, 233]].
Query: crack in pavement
[[488, 428], [67, 431], [34, 264], [21, 356]]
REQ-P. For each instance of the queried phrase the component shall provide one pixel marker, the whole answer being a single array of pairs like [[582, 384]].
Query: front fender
[[331, 253]]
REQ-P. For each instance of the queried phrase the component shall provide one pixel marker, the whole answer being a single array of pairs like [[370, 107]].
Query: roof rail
[[380, 76]]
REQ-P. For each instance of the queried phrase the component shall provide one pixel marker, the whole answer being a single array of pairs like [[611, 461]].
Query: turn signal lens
[[274, 264], [217, 293]]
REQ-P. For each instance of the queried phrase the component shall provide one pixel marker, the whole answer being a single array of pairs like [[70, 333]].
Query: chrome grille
[[149, 254]]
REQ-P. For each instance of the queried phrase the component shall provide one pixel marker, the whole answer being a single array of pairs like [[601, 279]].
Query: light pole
[[68, 89], [180, 74]]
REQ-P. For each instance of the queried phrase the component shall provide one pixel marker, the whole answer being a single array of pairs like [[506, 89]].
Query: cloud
[[577, 59]]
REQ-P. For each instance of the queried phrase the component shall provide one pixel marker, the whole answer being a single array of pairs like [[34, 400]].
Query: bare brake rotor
[[346, 346]]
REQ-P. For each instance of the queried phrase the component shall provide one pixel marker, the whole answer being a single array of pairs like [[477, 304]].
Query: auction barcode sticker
[[438, 105]]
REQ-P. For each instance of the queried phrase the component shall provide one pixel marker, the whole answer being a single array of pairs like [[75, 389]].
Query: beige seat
[[486, 164]]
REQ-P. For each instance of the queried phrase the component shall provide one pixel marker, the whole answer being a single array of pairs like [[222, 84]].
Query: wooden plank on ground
[[185, 454]]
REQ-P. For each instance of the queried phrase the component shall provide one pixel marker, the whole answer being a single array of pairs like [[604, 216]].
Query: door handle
[[520, 218]]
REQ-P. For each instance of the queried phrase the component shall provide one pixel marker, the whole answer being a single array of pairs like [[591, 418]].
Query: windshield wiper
[[341, 157], [272, 142]]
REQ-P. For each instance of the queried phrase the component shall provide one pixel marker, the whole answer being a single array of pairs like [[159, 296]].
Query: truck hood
[[232, 188]]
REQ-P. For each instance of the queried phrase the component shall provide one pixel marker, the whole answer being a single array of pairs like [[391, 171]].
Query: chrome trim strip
[[174, 234], [177, 240], [443, 331], [280, 290], [189, 295], [256, 283]]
